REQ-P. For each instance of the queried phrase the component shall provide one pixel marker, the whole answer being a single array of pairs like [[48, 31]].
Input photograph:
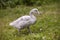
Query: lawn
[[47, 26]]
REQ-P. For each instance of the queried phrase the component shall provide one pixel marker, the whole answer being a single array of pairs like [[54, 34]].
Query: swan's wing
[[23, 18]]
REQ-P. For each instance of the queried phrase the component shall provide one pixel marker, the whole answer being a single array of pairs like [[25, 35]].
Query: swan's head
[[34, 11]]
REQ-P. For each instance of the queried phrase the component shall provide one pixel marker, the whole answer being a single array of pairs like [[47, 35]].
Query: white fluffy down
[[26, 20]]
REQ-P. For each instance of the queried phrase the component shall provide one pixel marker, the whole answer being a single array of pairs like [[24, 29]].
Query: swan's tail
[[14, 25], [11, 24]]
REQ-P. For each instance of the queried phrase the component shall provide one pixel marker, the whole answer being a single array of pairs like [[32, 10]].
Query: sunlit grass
[[47, 26]]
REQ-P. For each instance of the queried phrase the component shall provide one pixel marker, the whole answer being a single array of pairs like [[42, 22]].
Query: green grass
[[48, 21]]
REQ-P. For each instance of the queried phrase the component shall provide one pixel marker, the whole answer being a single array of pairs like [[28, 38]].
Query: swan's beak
[[39, 13]]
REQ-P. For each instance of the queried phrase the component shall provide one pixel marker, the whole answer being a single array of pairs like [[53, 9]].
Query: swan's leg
[[29, 30], [18, 31]]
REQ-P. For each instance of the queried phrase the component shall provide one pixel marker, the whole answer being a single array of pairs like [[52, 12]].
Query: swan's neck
[[32, 16]]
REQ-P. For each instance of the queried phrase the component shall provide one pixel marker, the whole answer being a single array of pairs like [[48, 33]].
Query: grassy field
[[47, 26]]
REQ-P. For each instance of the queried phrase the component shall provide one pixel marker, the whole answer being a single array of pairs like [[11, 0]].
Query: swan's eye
[[35, 10]]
